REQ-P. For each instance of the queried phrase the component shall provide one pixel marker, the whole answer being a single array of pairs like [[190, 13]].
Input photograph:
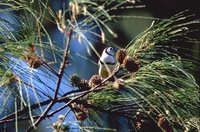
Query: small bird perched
[[107, 62]]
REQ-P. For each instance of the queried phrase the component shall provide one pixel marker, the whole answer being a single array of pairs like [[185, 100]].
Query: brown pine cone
[[120, 55], [81, 116], [95, 80], [130, 64], [84, 85], [34, 62], [31, 48]]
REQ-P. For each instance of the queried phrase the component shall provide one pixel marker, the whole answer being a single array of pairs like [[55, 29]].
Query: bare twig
[[62, 67], [60, 75]]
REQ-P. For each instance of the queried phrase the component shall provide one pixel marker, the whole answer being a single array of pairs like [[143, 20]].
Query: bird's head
[[110, 51]]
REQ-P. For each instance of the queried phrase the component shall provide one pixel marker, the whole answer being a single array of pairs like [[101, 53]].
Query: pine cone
[[31, 48], [84, 85], [80, 116], [34, 62], [79, 107], [130, 64], [95, 80], [120, 55], [75, 80], [84, 108]]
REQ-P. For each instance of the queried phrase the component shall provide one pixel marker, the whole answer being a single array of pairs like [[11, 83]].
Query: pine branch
[[163, 81], [51, 102]]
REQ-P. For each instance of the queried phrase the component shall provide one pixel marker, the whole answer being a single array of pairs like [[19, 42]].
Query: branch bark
[[60, 75]]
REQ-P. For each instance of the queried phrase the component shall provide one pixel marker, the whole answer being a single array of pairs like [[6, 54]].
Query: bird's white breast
[[107, 58]]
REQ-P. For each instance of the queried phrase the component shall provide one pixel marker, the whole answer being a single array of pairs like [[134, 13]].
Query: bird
[[107, 62]]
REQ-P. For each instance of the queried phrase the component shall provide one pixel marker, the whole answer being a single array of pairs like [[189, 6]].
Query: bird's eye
[[111, 48]]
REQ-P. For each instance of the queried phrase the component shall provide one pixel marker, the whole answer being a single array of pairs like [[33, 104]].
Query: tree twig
[[60, 75]]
